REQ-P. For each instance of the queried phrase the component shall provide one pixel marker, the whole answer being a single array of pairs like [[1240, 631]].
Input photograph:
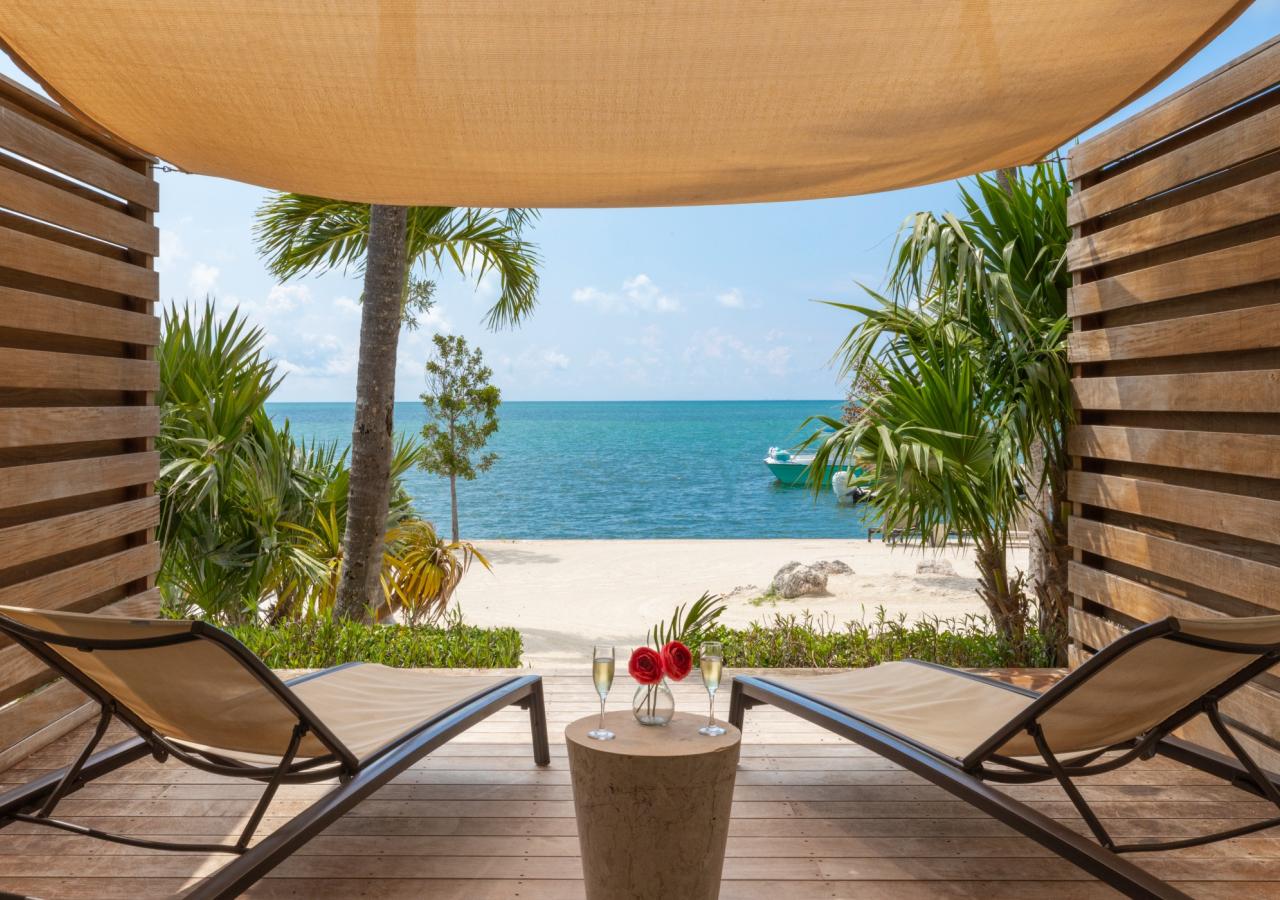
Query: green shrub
[[320, 643], [806, 642]]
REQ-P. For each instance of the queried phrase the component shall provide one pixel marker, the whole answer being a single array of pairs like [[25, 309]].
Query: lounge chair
[[962, 731], [192, 692]]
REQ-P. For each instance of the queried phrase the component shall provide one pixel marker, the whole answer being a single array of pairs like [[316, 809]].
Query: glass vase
[[653, 704]]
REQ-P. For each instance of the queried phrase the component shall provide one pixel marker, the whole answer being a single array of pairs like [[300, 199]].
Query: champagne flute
[[602, 664], [711, 661]]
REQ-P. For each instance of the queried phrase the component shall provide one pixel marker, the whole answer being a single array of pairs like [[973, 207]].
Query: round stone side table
[[653, 806]]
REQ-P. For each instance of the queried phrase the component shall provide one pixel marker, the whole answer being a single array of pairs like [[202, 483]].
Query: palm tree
[[936, 445], [299, 234], [994, 281]]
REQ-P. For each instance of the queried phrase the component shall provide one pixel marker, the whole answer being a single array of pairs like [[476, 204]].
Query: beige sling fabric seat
[[369, 706], [201, 694], [193, 693], [956, 713], [962, 731], [936, 707]]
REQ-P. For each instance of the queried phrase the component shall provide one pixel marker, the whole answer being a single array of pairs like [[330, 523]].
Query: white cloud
[[287, 297], [203, 280], [319, 355], [731, 299], [718, 345], [637, 294], [555, 359], [644, 294], [347, 305], [531, 365], [172, 250]]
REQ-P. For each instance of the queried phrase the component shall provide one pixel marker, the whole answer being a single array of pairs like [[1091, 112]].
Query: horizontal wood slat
[[41, 482], [40, 200], [1093, 631], [25, 135], [1235, 329], [1220, 150], [1246, 392], [51, 259], [41, 369], [1132, 598], [1237, 454], [49, 537], [24, 98], [41, 719], [31, 311], [68, 425], [1243, 516], [1244, 76], [1226, 573], [1244, 264], [60, 589], [1239, 205]]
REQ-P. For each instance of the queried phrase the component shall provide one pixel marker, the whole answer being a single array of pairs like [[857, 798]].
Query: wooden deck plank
[[813, 818]]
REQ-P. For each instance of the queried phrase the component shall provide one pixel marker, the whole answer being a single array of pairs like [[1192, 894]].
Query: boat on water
[[792, 468]]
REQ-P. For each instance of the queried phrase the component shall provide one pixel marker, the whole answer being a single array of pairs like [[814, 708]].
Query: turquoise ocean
[[620, 470]]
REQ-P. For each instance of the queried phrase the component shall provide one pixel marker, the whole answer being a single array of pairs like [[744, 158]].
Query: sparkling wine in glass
[[711, 661], [602, 665]]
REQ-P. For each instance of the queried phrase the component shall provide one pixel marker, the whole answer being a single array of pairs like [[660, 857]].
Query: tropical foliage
[[299, 234], [320, 643], [964, 359], [804, 642], [690, 625], [251, 518]]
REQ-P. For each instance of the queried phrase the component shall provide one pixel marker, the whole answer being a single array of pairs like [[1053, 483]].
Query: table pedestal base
[[653, 807]]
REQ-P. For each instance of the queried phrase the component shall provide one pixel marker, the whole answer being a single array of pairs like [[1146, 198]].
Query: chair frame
[[357, 778], [968, 778]]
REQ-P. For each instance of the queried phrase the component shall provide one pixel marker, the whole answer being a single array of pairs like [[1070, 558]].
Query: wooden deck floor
[[814, 817]]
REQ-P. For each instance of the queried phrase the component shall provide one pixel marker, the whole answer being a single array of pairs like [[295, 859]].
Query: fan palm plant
[[251, 519], [228, 477], [422, 570], [994, 281], [935, 444], [300, 233]]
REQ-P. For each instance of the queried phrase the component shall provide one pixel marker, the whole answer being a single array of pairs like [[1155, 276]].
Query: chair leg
[[538, 724], [737, 705], [35, 792]]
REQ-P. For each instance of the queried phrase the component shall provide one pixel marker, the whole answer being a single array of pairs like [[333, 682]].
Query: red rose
[[645, 665], [676, 660]]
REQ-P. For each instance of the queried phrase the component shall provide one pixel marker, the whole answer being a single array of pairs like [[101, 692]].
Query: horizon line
[[646, 400]]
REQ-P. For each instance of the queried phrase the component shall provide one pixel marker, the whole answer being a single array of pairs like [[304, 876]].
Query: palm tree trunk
[[453, 502], [1004, 598], [371, 436], [1050, 586]]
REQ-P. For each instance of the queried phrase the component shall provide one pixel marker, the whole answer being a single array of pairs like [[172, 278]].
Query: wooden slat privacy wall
[[77, 392], [1176, 358]]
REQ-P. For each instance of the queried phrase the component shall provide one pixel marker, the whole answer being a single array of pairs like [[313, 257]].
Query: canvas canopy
[[544, 103]]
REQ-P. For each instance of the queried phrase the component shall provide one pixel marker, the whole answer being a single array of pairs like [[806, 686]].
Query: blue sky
[[682, 303]]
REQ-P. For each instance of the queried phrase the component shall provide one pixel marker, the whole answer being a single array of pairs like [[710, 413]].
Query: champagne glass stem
[[711, 712], [602, 712]]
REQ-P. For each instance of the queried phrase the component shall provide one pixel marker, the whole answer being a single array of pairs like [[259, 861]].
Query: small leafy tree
[[462, 414]]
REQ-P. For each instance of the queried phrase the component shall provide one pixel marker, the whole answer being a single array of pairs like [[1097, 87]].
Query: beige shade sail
[[546, 103]]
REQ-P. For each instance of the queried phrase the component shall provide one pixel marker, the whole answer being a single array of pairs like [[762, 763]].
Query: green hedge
[[806, 642], [322, 643]]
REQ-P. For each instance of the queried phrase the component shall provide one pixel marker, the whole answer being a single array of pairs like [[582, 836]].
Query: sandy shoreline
[[565, 594]]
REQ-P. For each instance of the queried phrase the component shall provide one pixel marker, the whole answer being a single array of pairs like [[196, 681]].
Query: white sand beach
[[565, 594]]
